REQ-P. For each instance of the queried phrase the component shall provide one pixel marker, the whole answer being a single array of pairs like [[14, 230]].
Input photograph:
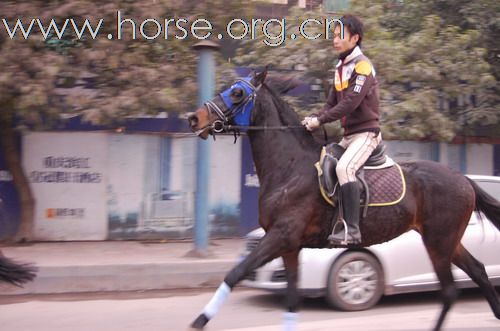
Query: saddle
[[381, 179]]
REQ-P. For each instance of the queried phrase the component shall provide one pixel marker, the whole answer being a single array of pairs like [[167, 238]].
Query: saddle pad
[[386, 186]]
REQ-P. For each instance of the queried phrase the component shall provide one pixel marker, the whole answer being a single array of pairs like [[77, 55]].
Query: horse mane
[[282, 84], [278, 85]]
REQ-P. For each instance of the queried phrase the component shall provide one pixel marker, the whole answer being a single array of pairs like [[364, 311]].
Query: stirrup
[[346, 233]]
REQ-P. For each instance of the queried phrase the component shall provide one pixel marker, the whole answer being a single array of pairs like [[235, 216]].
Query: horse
[[438, 202], [16, 273]]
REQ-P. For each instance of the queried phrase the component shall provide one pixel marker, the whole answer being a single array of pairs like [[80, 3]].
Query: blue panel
[[10, 205], [435, 151], [161, 125], [463, 158], [165, 157], [496, 160]]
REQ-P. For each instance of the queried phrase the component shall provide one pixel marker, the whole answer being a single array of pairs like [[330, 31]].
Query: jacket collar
[[355, 53]]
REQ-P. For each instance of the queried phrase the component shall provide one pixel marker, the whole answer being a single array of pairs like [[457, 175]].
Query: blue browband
[[240, 112]]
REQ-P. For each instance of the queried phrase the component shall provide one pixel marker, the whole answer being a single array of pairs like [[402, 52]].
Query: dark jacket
[[354, 98]]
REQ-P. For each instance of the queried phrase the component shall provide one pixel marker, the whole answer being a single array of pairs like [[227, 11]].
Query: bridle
[[239, 112], [233, 110]]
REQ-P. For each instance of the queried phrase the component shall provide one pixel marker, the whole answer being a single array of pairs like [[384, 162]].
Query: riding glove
[[311, 123]]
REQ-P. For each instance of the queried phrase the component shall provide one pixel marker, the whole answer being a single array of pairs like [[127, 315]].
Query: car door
[[406, 264]]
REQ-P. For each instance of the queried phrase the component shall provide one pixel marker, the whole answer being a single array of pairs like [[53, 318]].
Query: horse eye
[[237, 95]]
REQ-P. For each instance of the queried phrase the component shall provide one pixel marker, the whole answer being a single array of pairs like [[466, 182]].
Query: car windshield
[[493, 188]]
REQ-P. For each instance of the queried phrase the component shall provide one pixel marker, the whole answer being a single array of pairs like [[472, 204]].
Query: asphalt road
[[244, 310]]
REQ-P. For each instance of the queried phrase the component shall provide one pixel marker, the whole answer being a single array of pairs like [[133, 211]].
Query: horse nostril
[[193, 120]]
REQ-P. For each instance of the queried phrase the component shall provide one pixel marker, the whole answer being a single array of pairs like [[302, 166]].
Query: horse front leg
[[291, 261], [441, 262], [267, 249]]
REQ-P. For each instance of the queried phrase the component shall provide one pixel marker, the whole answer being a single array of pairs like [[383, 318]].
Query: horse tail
[[16, 273], [487, 204]]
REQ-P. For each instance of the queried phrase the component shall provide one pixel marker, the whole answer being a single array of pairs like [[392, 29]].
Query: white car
[[355, 279]]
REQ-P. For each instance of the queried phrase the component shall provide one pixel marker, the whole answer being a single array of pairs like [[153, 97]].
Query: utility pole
[[206, 84]]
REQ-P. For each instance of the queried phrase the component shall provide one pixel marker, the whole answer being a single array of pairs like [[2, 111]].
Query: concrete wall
[[471, 158], [144, 185]]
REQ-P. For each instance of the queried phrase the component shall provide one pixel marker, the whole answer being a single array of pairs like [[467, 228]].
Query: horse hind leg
[[476, 271], [267, 250]]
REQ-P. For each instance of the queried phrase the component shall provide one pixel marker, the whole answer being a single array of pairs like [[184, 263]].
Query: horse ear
[[259, 78]]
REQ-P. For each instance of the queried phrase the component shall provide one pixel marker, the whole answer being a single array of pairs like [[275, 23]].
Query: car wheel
[[355, 282]]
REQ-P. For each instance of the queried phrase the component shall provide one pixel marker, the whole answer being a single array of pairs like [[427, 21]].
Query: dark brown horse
[[438, 202], [15, 273]]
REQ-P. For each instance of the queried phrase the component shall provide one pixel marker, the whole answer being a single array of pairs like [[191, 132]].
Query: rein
[[219, 127], [229, 127]]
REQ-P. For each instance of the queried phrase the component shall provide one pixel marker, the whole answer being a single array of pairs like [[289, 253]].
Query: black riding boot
[[350, 206]]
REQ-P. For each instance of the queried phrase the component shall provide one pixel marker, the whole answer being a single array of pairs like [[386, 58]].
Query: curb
[[124, 277]]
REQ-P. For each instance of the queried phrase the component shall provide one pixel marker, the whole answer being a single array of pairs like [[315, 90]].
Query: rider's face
[[343, 44]]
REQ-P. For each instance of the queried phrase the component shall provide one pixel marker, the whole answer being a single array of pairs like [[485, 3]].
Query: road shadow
[[277, 300]]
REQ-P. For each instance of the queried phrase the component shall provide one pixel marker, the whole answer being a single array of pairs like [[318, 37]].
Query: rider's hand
[[305, 120], [311, 123]]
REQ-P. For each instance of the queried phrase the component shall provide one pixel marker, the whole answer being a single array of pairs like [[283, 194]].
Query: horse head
[[232, 106]]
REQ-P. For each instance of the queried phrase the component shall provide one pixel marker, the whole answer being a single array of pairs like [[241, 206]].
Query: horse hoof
[[199, 323]]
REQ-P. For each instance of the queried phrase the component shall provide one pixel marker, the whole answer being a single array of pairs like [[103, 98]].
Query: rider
[[354, 100]]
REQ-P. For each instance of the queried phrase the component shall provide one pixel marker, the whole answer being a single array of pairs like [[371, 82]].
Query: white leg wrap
[[220, 295], [290, 321]]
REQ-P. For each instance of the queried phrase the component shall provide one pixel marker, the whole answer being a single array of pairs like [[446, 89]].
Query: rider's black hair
[[354, 25]]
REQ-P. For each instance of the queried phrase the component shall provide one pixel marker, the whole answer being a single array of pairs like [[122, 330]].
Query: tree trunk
[[21, 183]]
